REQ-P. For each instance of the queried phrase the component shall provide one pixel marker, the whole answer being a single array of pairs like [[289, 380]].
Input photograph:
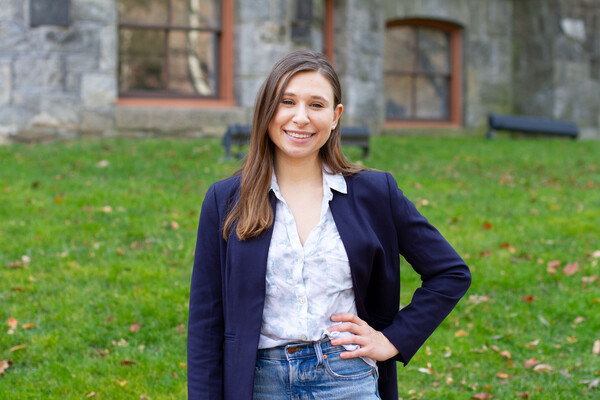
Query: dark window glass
[[169, 48], [417, 73]]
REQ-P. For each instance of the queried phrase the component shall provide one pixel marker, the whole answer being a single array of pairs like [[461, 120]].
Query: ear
[[337, 113]]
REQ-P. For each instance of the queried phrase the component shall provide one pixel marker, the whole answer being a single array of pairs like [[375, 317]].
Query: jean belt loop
[[318, 353]]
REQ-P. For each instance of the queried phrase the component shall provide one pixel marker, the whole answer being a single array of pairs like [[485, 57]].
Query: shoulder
[[222, 192]]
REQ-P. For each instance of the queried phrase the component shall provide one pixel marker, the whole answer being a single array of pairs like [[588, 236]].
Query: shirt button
[[299, 260], [302, 300]]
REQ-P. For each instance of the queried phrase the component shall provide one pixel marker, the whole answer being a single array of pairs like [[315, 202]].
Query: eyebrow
[[314, 96]]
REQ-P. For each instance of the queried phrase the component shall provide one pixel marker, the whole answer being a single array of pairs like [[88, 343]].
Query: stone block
[[98, 90], [64, 108], [99, 11], [78, 38], [16, 39], [5, 83], [108, 48], [97, 121], [38, 72]]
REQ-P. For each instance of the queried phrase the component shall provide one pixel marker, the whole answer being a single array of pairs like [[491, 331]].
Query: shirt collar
[[330, 182]]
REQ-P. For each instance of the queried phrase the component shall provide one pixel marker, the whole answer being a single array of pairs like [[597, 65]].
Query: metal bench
[[537, 125], [239, 136]]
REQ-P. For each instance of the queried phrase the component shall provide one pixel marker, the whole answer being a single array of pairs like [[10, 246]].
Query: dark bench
[[538, 125], [239, 136]]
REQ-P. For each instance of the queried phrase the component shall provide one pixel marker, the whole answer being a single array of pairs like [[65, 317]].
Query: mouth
[[298, 134]]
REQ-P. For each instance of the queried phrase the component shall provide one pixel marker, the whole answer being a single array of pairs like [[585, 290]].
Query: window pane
[[196, 13], [147, 12], [433, 51], [397, 97], [141, 59], [192, 63], [399, 49], [432, 98]]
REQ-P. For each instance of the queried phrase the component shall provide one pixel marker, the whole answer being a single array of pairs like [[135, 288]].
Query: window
[[173, 48], [422, 72]]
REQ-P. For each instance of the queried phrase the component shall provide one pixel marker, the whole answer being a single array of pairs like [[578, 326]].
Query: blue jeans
[[312, 371]]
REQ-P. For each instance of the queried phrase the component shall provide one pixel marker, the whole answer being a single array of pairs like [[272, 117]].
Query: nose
[[300, 115]]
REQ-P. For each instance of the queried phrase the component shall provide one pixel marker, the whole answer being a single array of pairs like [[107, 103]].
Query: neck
[[298, 171]]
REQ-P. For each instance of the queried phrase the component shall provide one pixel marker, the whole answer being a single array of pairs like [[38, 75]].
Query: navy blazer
[[376, 223]]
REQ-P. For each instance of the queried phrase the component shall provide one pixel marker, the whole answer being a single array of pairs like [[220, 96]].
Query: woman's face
[[304, 118]]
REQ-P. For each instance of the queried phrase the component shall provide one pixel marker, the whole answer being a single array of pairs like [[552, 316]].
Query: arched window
[[422, 71]]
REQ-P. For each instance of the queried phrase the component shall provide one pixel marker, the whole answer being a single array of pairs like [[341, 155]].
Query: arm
[[444, 274], [205, 326]]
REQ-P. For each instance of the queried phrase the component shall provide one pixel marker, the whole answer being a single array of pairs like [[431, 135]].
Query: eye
[[287, 102], [318, 105]]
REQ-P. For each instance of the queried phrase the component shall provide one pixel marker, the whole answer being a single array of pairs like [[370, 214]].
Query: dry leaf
[[427, 370], [596, 348], [461, 333], [523, 395], [531, 345], [19, 347], [528, 299], [487, 225], [482, 396], [572, 339], [174, 225], [129, 362], [594, 383], [28, 326], [121, 383], [596, 254], [181, 328], [92, 394], [543, 368], [589, 279], [532, 362], [4, 364], [543, 320], [135, 327], [579, 320], [571, 269], [502, 375], [13, 323], [505, 354], [102, 164]]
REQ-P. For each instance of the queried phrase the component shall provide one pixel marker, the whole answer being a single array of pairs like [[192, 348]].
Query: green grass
[[112, 246]]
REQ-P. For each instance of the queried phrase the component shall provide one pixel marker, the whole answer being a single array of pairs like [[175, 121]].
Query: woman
[[296, 284]]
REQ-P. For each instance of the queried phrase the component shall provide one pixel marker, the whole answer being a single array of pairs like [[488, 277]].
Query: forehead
[[308, 82]]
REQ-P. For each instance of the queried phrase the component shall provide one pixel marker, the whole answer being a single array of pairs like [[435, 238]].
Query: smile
[[298, 135]]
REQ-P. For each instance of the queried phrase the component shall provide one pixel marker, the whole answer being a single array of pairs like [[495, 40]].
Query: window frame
[[224, 71], [454, 33]]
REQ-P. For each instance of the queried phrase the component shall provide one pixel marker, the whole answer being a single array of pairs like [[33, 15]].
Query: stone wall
[[57, 82], [557, 65]]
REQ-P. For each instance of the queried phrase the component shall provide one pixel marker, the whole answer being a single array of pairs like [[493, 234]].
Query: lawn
[[97, 241]]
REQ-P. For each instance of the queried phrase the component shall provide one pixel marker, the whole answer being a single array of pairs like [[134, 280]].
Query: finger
[[347, 317], [348, 327], [352, 354], [350, 339]]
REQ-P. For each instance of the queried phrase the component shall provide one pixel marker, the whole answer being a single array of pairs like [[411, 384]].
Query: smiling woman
[[286, 299]]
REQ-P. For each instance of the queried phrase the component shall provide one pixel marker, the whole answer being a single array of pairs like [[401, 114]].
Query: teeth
[[299, 135]]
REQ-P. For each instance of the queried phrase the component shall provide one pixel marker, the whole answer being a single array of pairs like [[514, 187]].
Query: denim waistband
[[300, 350]]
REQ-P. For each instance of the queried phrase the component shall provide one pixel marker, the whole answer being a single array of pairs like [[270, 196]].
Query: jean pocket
[[347, 369]]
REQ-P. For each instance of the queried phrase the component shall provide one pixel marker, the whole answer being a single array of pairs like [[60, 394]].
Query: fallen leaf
[[543, 320], [121, 383], [543, 368], [135, 327], [107, 209], [505, 354], [532, 362], [572, 339], [129, 362], [461, 333], [502, 375], [596, 254], [102, 164], [19, 347], [523, 395], [4, 364], [589, 279], [487, 225], [596, 348], [181, 328], [579, 320], [531, 345], [427, 370], [552, 266], [92, 394], [571, 269], [174, 225], [594, 383], [528, 299], [13, 323], [28, 326], [482, 396]]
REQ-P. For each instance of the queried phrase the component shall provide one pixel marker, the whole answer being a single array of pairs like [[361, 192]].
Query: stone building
[[188, 68]]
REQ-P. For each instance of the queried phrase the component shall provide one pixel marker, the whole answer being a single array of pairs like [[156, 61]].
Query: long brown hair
[[252, 214]]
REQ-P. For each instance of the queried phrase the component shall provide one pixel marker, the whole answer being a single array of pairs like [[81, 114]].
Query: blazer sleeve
[[445, 276], [205, 325]]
